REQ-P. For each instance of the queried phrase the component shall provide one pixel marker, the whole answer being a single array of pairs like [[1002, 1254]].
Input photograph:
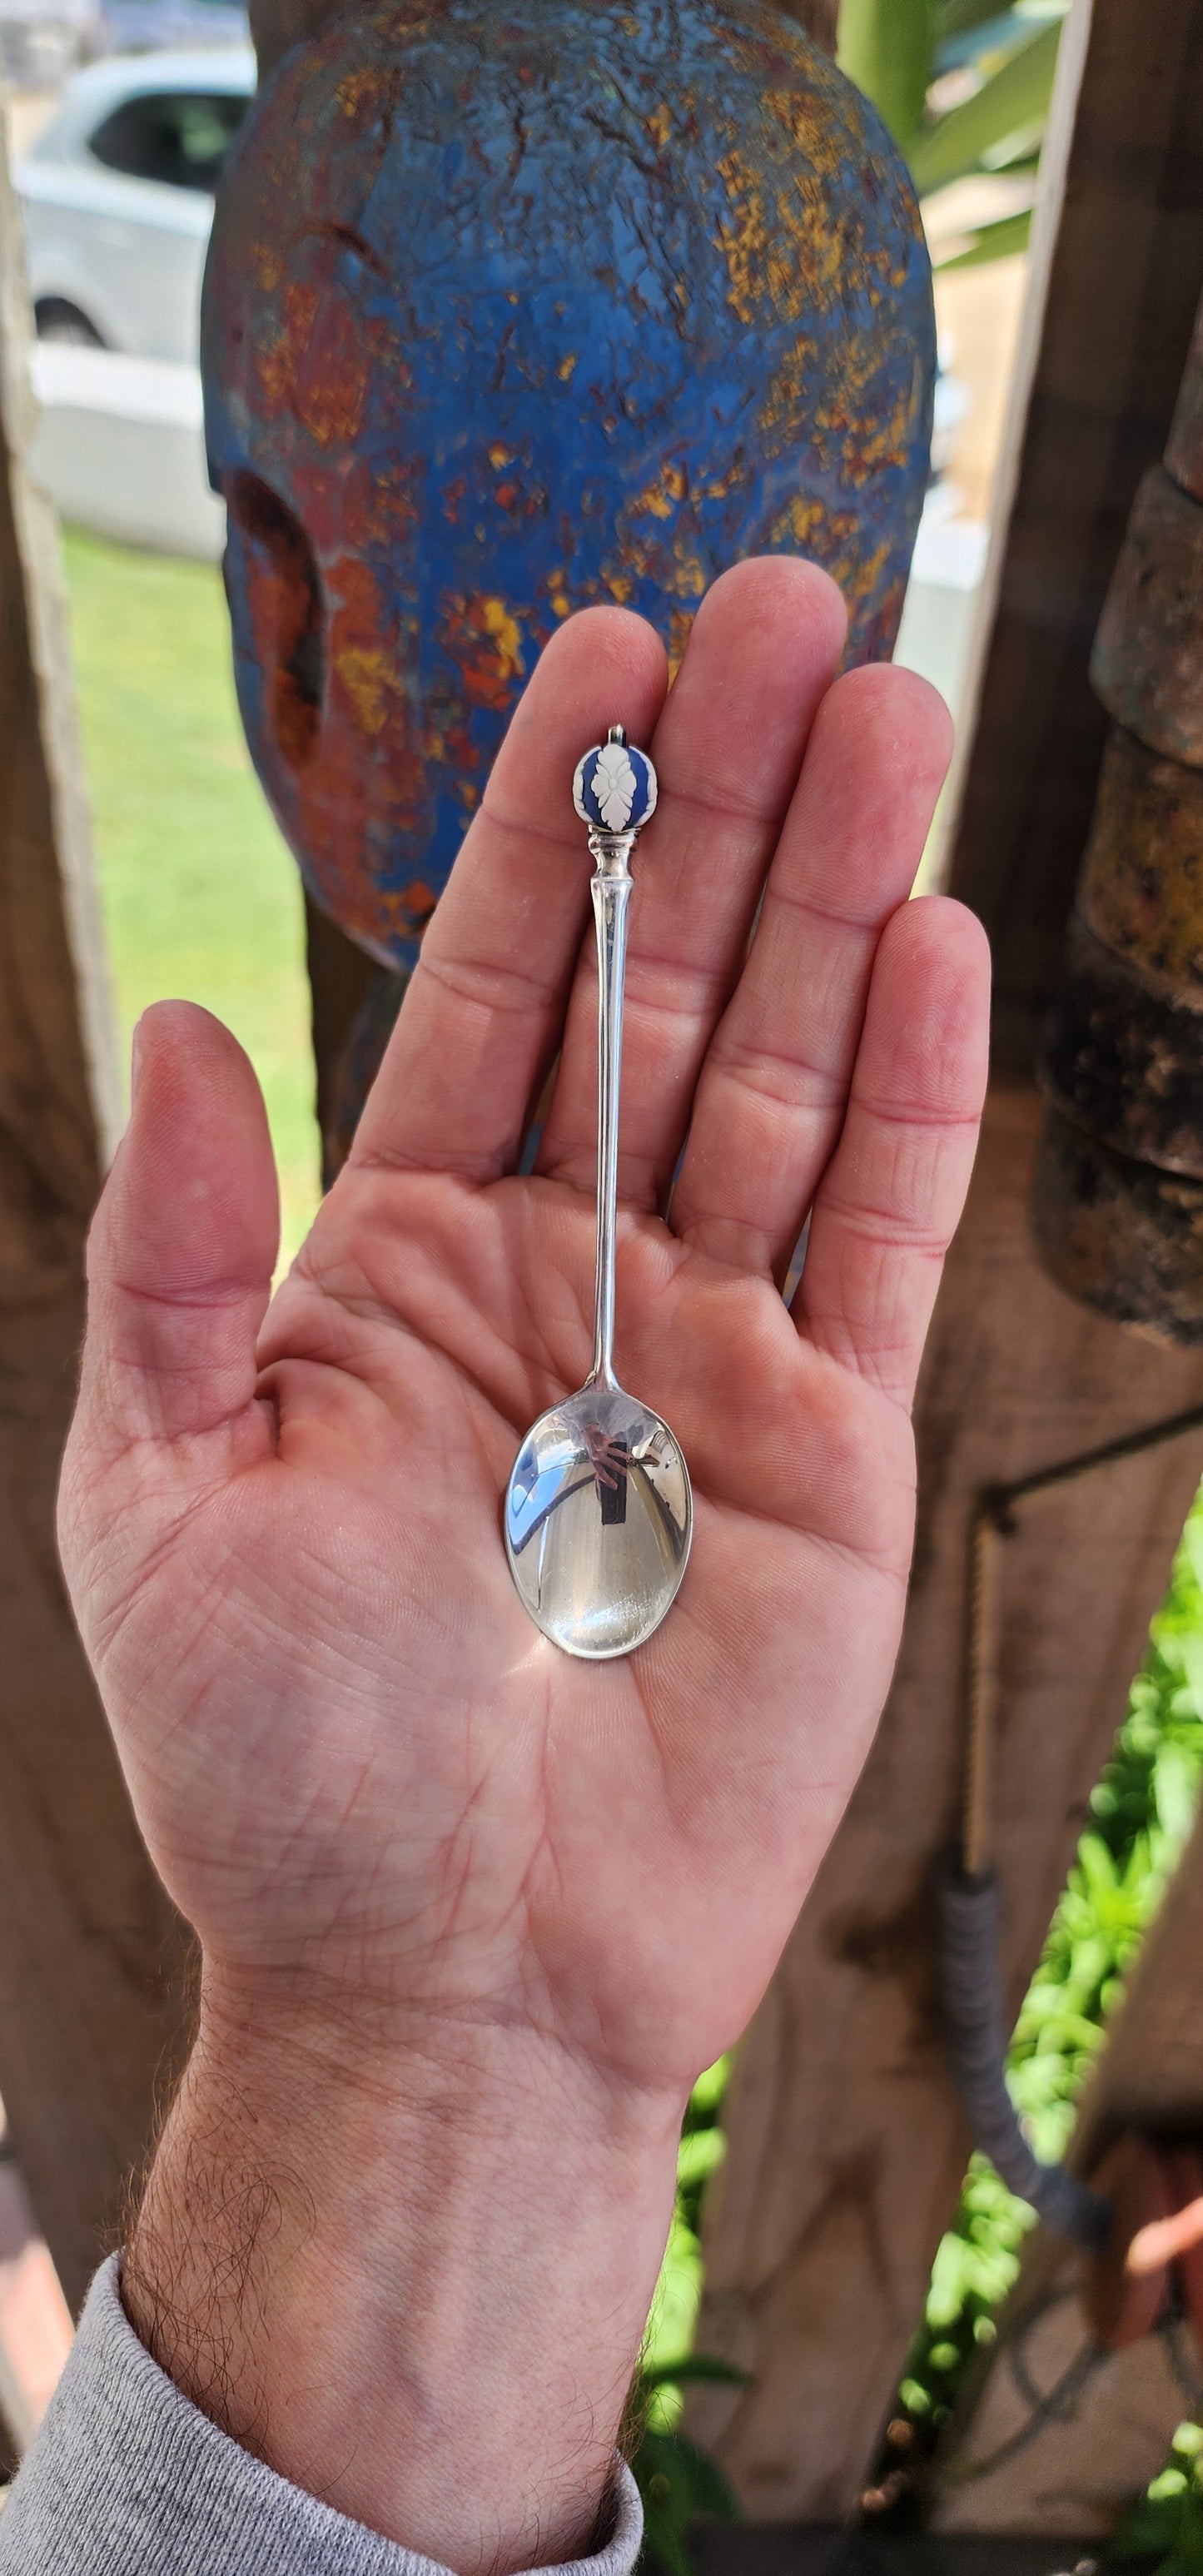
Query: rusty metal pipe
[[1117, 1195]]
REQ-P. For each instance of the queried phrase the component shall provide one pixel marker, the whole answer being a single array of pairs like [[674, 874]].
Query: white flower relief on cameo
[[615, 786]]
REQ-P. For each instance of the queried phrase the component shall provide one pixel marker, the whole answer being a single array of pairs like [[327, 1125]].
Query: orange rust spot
[[658, 500], [267, 267], [359, 89], [275, 363], [484, 639], [331, 378], [419, 901], [680, 628], [382, 504], [566, 366], [403, 914], [368, 679]]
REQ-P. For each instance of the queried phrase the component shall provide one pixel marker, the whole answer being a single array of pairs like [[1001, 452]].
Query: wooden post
[[846, 2145], [91, 1961]]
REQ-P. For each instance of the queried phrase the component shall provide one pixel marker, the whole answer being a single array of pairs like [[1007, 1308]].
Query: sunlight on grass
[[201, 897]]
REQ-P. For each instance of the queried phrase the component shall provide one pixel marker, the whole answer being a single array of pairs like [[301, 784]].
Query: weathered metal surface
[[1141, 889], [1184, 447], [1117, 1202], [508, 312], [1124, 1057], [277, 24], [1147, 664], [1121, 1236]]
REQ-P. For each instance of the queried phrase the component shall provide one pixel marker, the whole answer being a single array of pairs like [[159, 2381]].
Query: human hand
[[474, 1915]]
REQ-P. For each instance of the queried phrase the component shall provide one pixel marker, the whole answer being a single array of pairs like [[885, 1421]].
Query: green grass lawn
[[201, 897]]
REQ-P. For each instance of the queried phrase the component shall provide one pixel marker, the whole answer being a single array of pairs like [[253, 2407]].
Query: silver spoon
[[598, 1510]]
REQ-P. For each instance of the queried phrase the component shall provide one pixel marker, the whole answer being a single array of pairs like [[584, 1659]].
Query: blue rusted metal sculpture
[[509, 310]]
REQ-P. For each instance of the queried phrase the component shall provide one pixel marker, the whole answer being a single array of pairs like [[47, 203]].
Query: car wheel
[[55, 319]]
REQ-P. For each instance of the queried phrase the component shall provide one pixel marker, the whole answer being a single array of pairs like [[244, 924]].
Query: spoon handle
[[611, 894], [614, 792]]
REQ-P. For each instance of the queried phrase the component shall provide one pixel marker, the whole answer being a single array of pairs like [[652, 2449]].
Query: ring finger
[[774, 1088]]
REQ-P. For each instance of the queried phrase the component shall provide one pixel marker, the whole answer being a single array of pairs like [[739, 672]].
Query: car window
[[181, 138]]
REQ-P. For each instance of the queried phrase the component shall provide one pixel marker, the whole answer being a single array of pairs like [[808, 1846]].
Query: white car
[[117, 194]]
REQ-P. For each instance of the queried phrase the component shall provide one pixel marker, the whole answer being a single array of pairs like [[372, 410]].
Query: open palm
[[359, 1768]]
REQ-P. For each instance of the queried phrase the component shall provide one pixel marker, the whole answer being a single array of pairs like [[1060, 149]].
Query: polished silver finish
[[598, 1510]]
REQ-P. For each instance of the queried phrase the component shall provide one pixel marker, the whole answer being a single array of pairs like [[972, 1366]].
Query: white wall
[[937, 620]]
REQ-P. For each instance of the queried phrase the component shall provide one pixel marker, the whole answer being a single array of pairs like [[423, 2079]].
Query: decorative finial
[[614, 789]]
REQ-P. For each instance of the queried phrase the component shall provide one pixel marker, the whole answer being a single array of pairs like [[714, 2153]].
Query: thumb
[[183, 1243]]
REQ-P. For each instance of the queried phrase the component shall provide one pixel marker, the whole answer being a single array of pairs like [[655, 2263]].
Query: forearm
[[413, 2280]]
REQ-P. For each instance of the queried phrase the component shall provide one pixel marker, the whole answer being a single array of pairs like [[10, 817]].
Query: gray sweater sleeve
[[127, 2478]]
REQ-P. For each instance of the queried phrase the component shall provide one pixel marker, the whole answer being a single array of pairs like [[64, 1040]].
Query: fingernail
[[135, 1062]]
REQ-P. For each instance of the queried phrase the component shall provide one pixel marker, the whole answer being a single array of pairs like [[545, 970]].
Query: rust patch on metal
[[1124, 1057], [1118, 1235], [1141, 888], [1147, 664]]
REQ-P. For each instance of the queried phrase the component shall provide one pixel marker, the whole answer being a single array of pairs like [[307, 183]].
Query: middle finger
[[728, 748]]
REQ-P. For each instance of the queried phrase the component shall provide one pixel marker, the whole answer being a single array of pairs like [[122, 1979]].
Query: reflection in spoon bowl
[[597, 1522]]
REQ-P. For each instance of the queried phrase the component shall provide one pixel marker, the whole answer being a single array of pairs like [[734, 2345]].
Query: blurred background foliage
[[964, 87], [1141, 1813]]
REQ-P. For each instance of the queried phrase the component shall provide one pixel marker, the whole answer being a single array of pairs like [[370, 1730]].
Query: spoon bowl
[[598, 1519]]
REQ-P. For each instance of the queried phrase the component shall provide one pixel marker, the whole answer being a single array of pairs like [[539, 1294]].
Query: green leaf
[[694, 2366], [1011, 102], [664, 2545], [676, 2481], [1097, 1866], [999, 240], [705, 2101], [711, 2491], [885, 46], [1192, 1546], [959, 17], [700, 2151], [1191, 1651]]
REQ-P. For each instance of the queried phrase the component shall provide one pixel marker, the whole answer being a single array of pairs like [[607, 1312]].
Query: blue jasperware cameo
[[615, 787]]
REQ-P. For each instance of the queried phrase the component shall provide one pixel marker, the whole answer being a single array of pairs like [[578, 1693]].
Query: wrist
[[412, 2275]]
